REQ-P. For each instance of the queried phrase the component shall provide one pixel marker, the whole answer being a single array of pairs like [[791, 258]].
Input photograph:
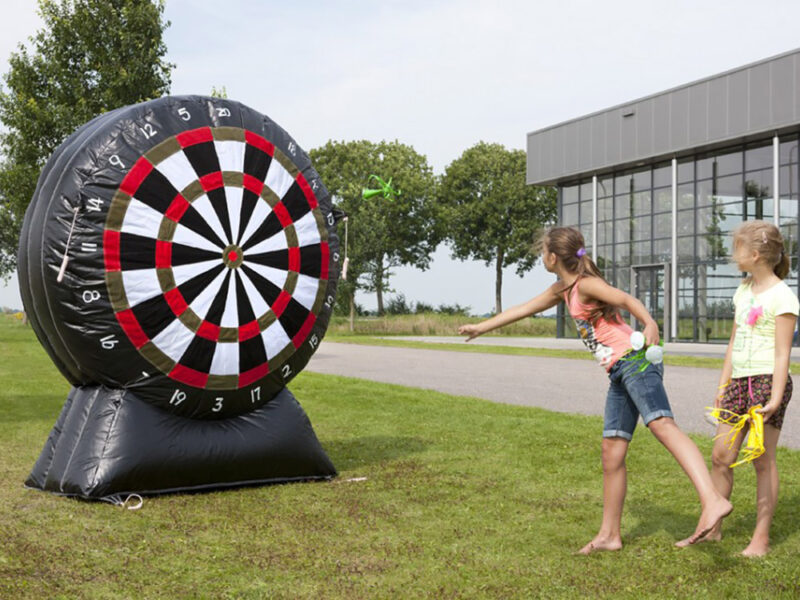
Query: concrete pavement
[[559, 384]]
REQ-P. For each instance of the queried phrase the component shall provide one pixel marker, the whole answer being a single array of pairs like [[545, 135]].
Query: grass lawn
[[462, 499]]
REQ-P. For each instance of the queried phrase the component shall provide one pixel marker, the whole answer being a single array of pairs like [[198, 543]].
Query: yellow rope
[[755, 438]]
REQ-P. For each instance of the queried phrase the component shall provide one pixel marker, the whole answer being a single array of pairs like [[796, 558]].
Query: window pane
[[586, 211], [586, 190], [641, 253], [586, 230], [686, 196], [605, 187], [705, 167], [641, 228], [758, 158], [604, 209], [685, 171], [662, 175], [569, 194], [642, 180], [758, 184], [686, 248], [622, 255], [603, 261], [759, 208], [705, 191], [788, 151], [729, 188], [622, 206], [686, 301], [789, 180], [662, 250], [604, 232], [622, 230], [662, 200], [686, 222], [662, 225], [729, 163], [569, 215], [642, 203]]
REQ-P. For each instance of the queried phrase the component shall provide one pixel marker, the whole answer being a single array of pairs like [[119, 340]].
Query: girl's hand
[[651, 333], [769, 410], [471, 331]]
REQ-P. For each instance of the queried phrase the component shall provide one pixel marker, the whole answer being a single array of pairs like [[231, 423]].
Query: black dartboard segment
[[202, 256]]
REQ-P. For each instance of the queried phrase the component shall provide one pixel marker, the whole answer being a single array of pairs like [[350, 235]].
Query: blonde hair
[[765, 239], [568, 245]]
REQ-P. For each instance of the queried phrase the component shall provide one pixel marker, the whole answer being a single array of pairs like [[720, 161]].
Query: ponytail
[[781, 269]]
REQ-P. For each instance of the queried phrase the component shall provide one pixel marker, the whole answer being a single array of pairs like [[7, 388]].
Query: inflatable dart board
[[178, 262]]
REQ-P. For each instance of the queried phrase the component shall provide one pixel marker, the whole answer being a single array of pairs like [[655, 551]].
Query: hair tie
[[580, 252], [763, 237]]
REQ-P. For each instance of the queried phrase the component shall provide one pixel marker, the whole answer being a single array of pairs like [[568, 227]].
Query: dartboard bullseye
[[193, 257]]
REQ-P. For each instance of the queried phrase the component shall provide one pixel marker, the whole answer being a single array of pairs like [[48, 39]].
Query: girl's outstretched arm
[[547, 299], [597, 288], [784, 330]]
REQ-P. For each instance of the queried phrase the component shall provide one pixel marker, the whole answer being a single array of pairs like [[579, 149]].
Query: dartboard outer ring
[[202, 259]]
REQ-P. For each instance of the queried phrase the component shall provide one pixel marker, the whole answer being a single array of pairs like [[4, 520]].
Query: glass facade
[[715, 193]]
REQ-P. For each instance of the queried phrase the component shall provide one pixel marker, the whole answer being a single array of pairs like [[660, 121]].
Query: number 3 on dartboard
[[217, 404]]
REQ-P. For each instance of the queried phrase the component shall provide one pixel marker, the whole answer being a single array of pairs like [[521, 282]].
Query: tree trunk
[[379, 285], [498, 284], [352, 311]]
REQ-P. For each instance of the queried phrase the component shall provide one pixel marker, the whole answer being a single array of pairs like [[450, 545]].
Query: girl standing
[[594, 305], [756, 368]]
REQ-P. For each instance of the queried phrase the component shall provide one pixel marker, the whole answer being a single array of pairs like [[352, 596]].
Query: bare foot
[[598, 544], [756, 549], [711, 515], [714, 535]]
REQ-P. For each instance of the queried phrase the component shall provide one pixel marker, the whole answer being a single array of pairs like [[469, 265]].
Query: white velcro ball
[[637, 340]]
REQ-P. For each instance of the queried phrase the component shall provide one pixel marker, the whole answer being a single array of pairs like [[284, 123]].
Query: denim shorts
[[632, 393]]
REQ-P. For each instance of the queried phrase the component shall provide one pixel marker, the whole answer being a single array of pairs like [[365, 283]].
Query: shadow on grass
[[356, 452], [655, 517]]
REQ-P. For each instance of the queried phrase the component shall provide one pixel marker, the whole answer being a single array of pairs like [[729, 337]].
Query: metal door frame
[[667, 304]]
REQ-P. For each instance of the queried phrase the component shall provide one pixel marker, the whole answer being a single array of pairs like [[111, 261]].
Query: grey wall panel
[[557, 162], [759, 105], [717, 108], [612, 136], [661, 124], [748, 102], [679, 118], [698, 113], [737, 103], [644, 128], [584, 144], [599, 139], [571, 147], [627, 133], [782, 98]]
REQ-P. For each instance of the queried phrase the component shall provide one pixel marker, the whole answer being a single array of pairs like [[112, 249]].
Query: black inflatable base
[[108, 443]]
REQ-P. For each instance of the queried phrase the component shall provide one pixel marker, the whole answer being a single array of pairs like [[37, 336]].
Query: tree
[[91, 56], [383, 232], [490, 213]]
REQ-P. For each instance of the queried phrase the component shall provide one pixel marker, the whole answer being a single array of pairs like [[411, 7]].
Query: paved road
[[682, 348], [560, 384]]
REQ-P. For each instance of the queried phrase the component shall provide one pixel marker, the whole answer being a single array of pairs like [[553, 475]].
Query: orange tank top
[[606, 340]]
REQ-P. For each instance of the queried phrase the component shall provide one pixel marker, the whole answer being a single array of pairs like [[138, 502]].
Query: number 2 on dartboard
[[286, 371]]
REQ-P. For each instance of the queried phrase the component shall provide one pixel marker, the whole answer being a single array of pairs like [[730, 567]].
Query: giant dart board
[[183, 249]]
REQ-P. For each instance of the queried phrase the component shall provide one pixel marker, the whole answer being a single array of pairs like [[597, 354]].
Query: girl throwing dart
[[633, 391]]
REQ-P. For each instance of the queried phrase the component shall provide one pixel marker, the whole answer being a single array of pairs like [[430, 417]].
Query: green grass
[[463, 499]]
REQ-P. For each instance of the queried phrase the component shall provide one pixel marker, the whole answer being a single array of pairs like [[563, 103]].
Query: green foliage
[[383, 233], [490, 212], [219, 92], [91, 56]]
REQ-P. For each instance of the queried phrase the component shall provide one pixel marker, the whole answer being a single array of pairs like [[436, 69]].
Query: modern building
[[658, 184]]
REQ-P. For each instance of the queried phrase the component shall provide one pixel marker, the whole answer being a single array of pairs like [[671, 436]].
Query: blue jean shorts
[[632, 393]]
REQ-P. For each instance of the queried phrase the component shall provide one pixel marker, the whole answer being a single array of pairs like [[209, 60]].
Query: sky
[[442, 75]]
